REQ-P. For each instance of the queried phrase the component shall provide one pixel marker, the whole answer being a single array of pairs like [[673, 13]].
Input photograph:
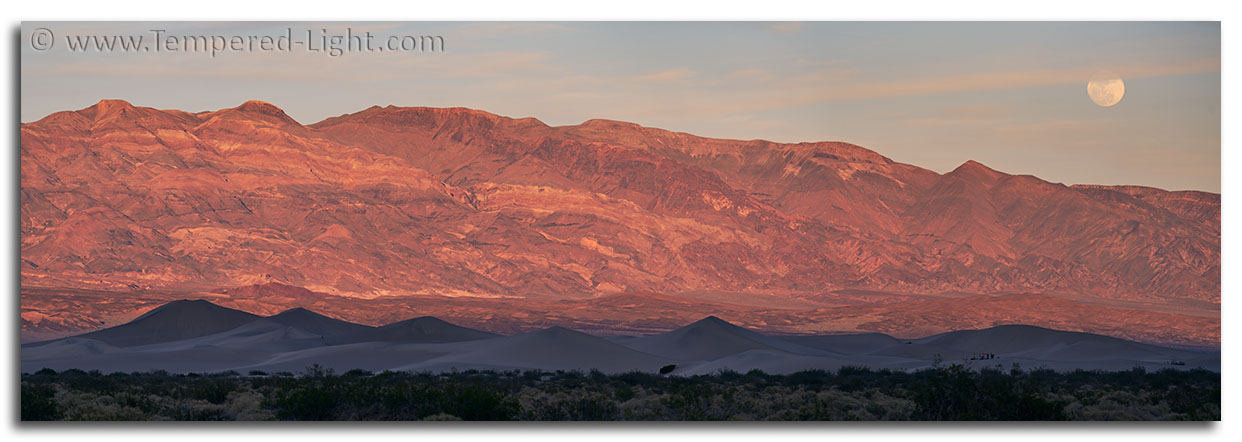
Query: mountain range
[[476, 215], [198, 336]]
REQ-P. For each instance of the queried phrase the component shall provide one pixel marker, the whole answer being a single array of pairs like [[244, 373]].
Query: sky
[[1011, 95]]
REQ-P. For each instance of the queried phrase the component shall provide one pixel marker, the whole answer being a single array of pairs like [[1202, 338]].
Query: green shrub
[[38, 402]]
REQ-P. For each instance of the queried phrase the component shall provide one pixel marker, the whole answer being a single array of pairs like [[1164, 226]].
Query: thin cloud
[[1004, 80], [750, 73], [973, 115], [849, 85], [665, 76]]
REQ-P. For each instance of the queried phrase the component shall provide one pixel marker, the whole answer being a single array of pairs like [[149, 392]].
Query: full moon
[[1106, 89]]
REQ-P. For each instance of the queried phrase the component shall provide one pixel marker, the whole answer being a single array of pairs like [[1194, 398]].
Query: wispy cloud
[[849, 84], [1002, 80], [665, 76], [975, 115]]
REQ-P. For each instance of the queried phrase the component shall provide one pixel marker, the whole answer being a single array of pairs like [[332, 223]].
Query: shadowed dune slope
[[712, 338], [316, 323], [197, 336], [424, 329], [68, 348], [555, 348], [847, 344], [174, 321], [1042, 343]]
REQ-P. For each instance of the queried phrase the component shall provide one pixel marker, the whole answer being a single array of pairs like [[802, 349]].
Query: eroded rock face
[[458, 202], [860, 219]]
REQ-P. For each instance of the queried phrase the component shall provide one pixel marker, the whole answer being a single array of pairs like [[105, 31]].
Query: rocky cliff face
[[458, 202]]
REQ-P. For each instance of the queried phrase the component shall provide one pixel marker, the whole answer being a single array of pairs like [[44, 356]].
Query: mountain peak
[[601, 123], [259, 106], [977, 170], [107, 108], [265, 108], [530, 121], [426, 118], [972, 165], [113, 103]]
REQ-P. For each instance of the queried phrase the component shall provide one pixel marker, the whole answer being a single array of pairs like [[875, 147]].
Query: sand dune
[[316, 323], [372, 356], [69, 348], [1031, 342], [712, 338], [848, 344], [203, 359], [261, 335], [174, 321], [555, 348], [424, 329], [197, 336], [769, 361], [1010, 338]]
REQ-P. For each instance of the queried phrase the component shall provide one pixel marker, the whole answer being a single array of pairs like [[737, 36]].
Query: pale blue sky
[[1010, 95]]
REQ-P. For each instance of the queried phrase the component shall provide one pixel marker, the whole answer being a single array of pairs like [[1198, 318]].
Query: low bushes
[[852, 393]]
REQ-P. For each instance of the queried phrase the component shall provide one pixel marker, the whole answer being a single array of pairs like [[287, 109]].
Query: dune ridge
[[198, 336]]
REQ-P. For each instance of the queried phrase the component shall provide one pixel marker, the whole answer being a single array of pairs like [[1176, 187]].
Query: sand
[[197, 336]]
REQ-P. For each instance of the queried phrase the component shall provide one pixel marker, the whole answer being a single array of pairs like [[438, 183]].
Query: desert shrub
[[38, 403], [537, 405], [956, 393], [247, 406], [92, 407], [442, 417], [850, 393], [310, 402]]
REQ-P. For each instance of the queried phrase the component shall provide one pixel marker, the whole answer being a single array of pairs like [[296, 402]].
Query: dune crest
[[174, 338]]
